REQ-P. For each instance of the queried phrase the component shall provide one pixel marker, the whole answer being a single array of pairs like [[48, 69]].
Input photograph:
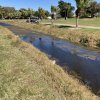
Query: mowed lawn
[[28, 74], [82, 21]]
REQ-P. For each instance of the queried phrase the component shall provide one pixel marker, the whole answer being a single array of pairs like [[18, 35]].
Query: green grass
[[82, 21], [27, 74]]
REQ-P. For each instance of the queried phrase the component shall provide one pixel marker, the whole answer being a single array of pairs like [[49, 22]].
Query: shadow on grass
[[63, 26], [47, 24]]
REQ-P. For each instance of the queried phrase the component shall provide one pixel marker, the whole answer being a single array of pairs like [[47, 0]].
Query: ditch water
[[84, 62]]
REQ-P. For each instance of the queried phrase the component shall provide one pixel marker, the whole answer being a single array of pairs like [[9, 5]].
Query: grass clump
[[16, 41], [84, 41], [98, 43]]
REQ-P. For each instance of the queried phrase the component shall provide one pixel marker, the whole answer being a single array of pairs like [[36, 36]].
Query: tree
[[81, 4], [1, 12], [47, 13], [36, 13], [53, 8], [41, 13], [93, 9], [12, 13], [24, 13], [30, 12], [54, 11], [5, 11], [65, 8], [17, 14], [8, 11]]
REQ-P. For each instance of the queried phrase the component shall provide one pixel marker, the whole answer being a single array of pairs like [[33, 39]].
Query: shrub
[[84, 40], [98, 43]]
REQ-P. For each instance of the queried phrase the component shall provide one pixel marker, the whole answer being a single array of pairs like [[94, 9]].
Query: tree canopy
[[63, 9], [66, 9]]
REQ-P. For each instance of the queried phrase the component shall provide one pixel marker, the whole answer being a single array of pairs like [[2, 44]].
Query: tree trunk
[[77, 21], [2, 16], [65, 14], [77, 16]]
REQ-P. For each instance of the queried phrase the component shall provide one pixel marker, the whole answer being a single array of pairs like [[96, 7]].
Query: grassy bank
[[86, 37], [27, 74]]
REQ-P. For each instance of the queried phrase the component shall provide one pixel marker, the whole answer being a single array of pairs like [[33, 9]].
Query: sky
[[34, 4]]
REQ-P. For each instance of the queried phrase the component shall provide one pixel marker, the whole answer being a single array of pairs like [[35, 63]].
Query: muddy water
[[86, 63]]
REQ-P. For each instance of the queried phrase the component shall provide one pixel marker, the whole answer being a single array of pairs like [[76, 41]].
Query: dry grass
[[27, 74], [86, 37]]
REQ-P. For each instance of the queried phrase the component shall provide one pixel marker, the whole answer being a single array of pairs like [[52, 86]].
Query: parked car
[[33, 20]]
